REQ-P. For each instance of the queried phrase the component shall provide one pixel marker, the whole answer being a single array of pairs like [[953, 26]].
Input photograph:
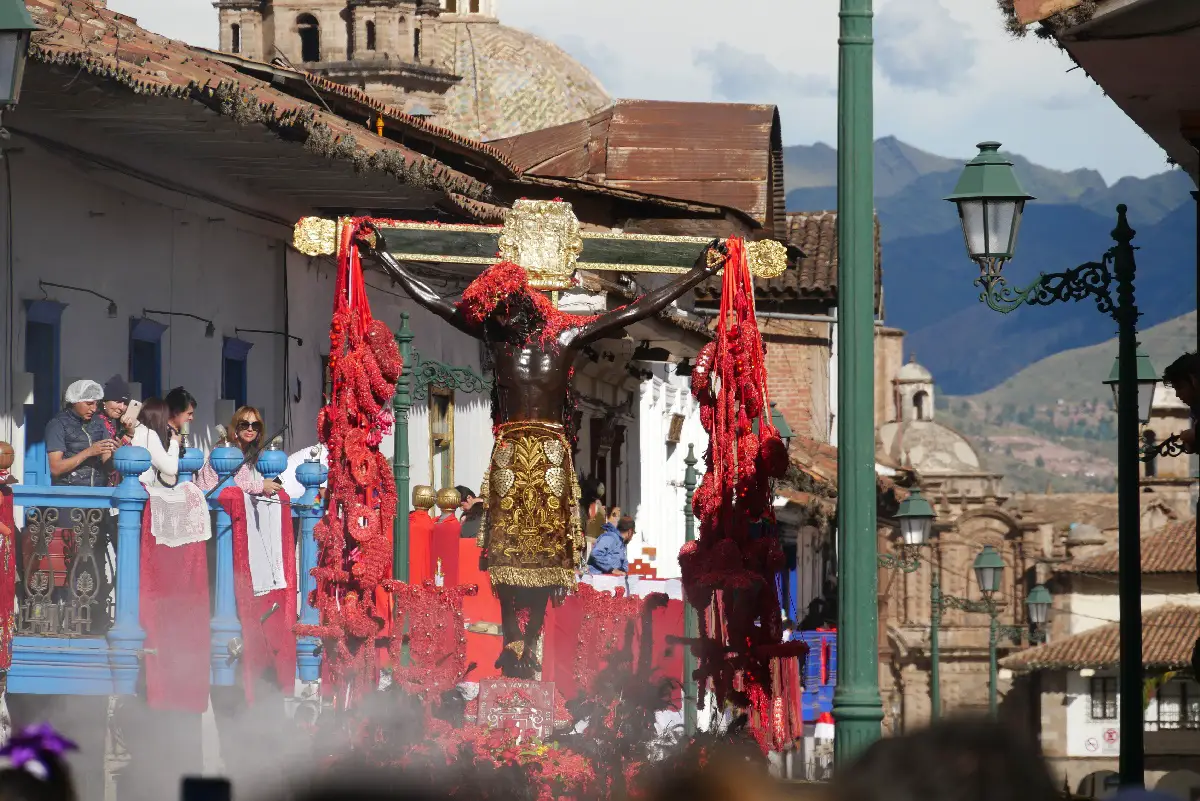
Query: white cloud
[[944, 81], [919, 45]]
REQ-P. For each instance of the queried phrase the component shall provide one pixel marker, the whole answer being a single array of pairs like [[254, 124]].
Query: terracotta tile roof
[[1169, 550], [721, 154], [1168, 637], [91, 40], [813, 277], [1097, 509]]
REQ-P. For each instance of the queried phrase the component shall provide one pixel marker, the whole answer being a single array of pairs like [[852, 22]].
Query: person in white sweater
[[154, 434]]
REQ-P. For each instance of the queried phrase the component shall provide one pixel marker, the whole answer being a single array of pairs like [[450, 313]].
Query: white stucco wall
[[151, 250], [660, 494], [1087, 737], [1094, 602]]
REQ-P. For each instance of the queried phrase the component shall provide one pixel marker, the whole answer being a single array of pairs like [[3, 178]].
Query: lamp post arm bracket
[[1171, 446], [965, 604], [1092, 279], [907, 561]]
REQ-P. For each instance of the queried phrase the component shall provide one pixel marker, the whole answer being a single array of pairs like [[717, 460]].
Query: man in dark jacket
[[472, 512]]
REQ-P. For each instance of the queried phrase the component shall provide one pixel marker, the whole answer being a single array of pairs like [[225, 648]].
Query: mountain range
[[928, 287]]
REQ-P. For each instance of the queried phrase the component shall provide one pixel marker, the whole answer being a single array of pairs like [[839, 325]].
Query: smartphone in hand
[[129, 419], [196, 788]]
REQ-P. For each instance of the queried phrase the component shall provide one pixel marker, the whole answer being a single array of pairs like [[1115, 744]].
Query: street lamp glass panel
[[1038, 603], [916, 518], [989, 571]]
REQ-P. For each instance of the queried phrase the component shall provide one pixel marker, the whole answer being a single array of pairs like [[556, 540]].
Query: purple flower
[[33, 743]]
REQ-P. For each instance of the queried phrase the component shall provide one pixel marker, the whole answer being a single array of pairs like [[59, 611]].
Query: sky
[[947, 74]]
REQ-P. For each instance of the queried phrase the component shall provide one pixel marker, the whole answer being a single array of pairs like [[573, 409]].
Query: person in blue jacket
[[610, 556]]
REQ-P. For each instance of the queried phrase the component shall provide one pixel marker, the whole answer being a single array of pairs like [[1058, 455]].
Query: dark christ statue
[[531, 530]]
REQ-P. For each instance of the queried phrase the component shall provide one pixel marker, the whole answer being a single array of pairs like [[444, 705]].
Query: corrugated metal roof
[[723, 154], [1168, 637], [1170, 550]]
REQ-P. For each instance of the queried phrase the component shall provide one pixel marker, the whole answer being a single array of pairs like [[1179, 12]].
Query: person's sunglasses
[[247, 425]]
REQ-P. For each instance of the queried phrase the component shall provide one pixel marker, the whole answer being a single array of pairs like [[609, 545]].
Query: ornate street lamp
[[16, 25], [1147, 380], [990, 203], [989, 571], [1038, 603], [916, 519]]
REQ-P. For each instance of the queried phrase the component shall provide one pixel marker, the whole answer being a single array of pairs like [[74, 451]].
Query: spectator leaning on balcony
[[77, 443], [1183, 375]]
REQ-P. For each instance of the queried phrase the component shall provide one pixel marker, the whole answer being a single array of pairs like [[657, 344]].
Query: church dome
[[512, 82], [929, 448], [913, 372]]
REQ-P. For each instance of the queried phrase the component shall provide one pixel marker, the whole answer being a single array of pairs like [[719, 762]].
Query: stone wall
[[889, 358]]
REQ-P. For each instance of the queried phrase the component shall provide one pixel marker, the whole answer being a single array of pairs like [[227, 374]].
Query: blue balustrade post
[[311, 475], [190, 462], [126, 638], [226, 629]]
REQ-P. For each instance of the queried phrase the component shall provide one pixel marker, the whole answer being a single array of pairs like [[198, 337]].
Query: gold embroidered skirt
[[531, 527]]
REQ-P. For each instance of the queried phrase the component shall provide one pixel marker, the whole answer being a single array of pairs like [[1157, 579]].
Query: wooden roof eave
[[269, 160]]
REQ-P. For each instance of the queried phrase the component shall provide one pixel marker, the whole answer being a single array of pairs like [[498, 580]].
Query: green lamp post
[[990, 204], [857, 706]]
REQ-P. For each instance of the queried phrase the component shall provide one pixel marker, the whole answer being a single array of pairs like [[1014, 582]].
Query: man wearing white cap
[[77, 442]]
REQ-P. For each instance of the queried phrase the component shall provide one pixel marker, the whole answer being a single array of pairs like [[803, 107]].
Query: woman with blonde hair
[[247, 433]]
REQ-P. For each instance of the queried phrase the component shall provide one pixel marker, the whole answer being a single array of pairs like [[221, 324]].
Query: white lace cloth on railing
[[179, 515], [264, 543]]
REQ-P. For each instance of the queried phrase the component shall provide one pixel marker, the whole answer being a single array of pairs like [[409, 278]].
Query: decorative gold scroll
[[544, 237]]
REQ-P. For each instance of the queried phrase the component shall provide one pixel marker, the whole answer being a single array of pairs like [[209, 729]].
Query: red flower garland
[[354, 557], [735, 561], [437, 639], [605, 618]]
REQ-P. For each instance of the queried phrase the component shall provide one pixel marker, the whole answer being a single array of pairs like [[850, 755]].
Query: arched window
[[235, 38], [370, 35], [1150, 439], [310, 37], [417, 45], [920, 403]]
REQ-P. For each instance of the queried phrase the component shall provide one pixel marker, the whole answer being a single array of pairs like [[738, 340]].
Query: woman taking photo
[[248, 434]]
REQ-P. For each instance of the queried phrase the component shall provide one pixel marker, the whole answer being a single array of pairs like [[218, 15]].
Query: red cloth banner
[[271, 643], [8, 576], [175, 616]]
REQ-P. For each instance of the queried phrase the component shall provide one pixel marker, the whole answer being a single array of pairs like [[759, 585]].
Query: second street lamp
[[1147, 380], [990, 202]]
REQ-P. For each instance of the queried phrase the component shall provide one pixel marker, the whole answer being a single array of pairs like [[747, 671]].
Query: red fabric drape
[[563, 626], [271, 643], [483, 607], [8, 576], [444, 545], [175, 616], [420, 540]]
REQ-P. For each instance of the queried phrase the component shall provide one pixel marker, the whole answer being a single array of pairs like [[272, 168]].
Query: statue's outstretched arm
[[417, 289], [711, 260]]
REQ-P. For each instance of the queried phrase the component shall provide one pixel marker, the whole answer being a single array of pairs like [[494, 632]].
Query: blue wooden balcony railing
[[78, 629]]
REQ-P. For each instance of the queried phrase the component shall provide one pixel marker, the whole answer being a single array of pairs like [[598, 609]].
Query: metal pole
[[935, 621], [1129, 535], [401, 403], [691, 626], [993, 690], [1196, 198], [857, 707]]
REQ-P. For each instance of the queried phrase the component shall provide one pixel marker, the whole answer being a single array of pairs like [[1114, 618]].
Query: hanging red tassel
[[354, 544], [737, 557]]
